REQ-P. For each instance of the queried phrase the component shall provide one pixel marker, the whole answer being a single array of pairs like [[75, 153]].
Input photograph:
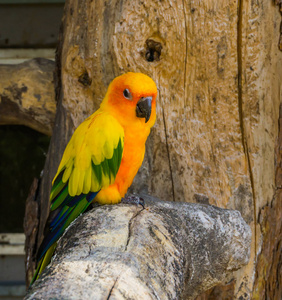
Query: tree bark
[[217, 68], [31, 223], [165, 251], [27, 95]]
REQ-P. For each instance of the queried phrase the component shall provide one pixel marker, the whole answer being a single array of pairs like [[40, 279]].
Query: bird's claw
[[131, 199]]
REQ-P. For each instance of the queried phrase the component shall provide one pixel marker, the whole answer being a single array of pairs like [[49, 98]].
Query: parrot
[[102, 157]]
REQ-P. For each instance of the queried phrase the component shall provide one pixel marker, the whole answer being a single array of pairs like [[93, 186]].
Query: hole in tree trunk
[[153, 50]]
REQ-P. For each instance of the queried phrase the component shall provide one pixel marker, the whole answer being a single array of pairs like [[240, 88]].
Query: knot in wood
[[153, 50], [85, 79]]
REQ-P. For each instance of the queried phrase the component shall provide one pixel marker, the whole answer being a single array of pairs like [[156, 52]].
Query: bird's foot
[[132, 199]]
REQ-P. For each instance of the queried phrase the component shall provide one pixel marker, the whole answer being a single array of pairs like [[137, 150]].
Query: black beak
[[143, 108]]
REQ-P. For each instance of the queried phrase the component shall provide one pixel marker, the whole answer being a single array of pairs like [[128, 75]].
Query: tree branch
[[166, 251], [27, 95]]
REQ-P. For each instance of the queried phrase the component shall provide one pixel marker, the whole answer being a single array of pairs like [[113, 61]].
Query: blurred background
[[28, 29]]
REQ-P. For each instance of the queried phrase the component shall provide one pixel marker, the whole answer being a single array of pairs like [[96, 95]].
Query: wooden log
[[165, 251], [27, 95]]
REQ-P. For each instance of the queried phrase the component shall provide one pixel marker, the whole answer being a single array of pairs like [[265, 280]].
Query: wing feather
[[96, 144], [90, 162]]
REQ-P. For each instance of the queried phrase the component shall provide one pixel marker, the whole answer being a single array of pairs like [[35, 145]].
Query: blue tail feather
[[62, 219]]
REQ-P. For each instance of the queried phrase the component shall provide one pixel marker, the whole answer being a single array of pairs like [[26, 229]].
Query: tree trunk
[[217, 66], [166, 251]]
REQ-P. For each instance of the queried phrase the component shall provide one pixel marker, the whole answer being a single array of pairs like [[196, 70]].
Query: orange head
[[131, 97]]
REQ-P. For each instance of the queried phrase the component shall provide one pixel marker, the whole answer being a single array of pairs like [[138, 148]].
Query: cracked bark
[[111, 290], [166, 251], [168, 155], [129, 227], [241, 114]]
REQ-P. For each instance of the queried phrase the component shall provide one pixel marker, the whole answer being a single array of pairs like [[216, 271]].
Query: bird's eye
[[127, 94]]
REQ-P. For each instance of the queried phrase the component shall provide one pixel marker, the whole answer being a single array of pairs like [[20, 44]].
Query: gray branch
[[166, 251]]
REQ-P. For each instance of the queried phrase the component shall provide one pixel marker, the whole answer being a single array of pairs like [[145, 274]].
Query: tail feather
[[44, 261], [64, 209], [57, 222]]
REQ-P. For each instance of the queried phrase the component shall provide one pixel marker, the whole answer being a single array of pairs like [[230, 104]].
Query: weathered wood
[[31, 223], [165, 251], [27, 95], [259, 102], [269, 260], [217, 65]]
